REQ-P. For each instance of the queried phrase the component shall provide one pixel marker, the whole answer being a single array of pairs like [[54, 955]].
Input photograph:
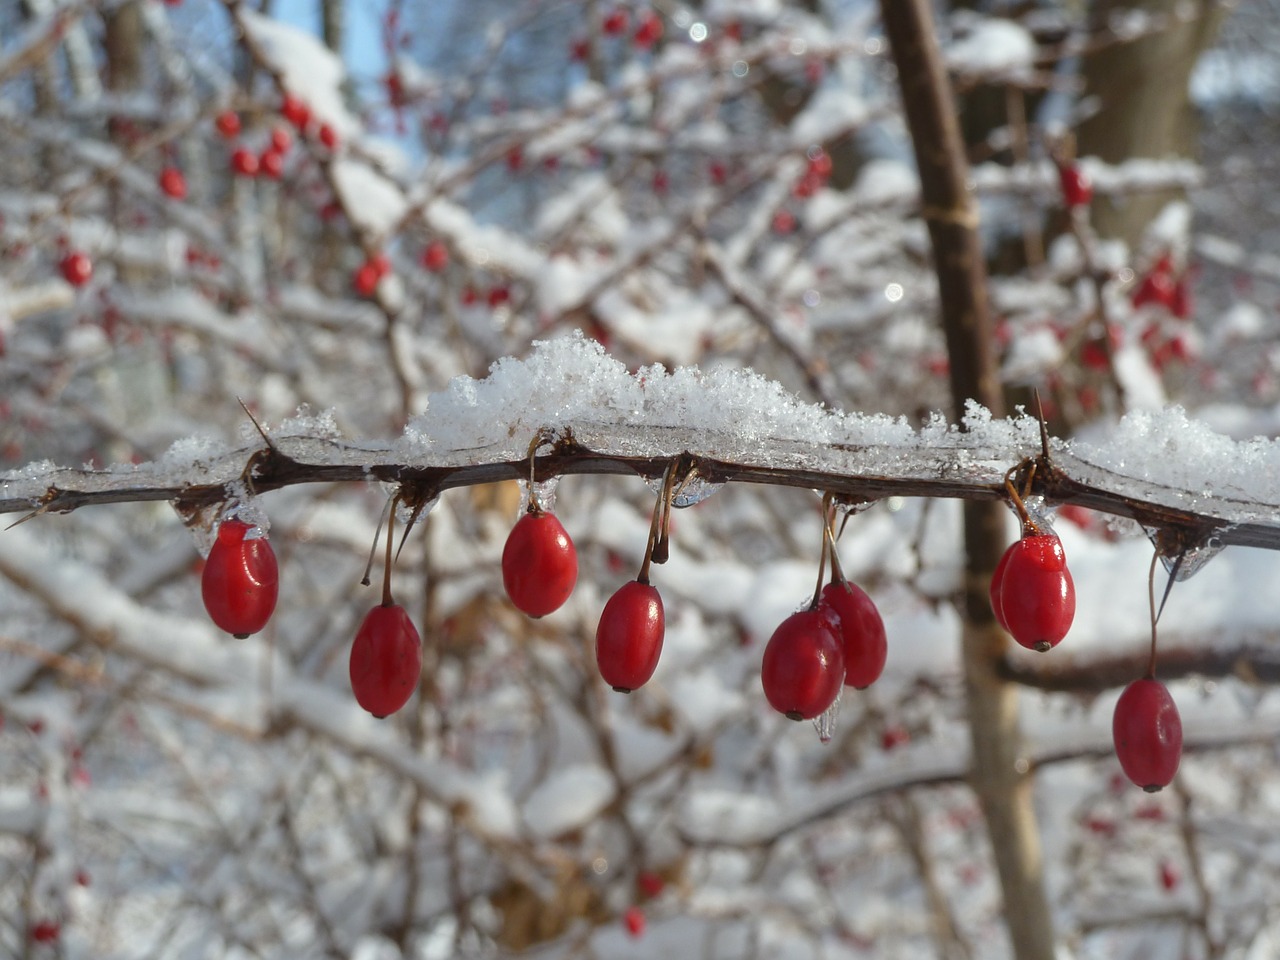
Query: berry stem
[[386, 570], [542, 436], [373, 549], [661, 518], [1016, 499], [822, 559], [1151, 599], [837, 570]]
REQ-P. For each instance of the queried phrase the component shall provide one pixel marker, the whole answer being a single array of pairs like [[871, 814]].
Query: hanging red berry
[[614, 22], [629, 637], [241, 580], [77, 268], [803, 667], [295, 111], [633, 920], [271, 164], [861, 631], [173, 183], [1036, 595], [648, 30], [244, 162], [386, 660], [365, 279], [436, 256], [281, 140], [228, 124], [1148, 734], [1077, 191], [539, 563]]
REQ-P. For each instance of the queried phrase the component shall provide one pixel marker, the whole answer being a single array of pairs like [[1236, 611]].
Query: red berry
[[580, 50], [328, 137], [228, 123], [861, 631], [629, 637], [539, 564], [46, 931], [718, 172], [77, 268], [244, 162], [271, 164], [1148, 734], [82, 878], [281, 141], [820, 164], [499, 295], [648, 30], [651, 884], [1077, 191], [1169, 875], [1035, 598], [803, 666], [365, 280], [893, 737], [614, 23], [661, 182], [436, 256], [1157, 288], [295, 111], [386, 660], [633, 920], [241, 581], [173, 183], [784, 222], [381, 264]]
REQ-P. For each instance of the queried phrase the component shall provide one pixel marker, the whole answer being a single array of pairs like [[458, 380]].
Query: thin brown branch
[[957, 468]]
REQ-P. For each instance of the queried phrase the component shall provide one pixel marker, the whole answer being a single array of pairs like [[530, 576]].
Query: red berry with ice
[[539, 564], [803, 667], [1032, 593], [241, 580], [861, 632]]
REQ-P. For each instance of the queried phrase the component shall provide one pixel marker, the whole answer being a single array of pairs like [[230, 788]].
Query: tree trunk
[[1145, 109], [997, 777]]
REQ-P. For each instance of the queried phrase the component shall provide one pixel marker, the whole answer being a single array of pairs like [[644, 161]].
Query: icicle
[[1184, 564], [825, 722], [544, 492]]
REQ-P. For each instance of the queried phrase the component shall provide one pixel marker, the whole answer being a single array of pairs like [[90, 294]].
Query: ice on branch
[[740, 426]]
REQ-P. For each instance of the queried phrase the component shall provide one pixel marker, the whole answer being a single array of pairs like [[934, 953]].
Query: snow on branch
[[1164, 470]]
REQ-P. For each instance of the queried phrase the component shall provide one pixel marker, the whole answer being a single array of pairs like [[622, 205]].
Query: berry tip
[[1043, 646], [1153, 788], [794, 715], [623, 689]]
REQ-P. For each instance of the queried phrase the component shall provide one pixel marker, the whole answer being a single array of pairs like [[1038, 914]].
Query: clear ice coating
[[1041, 513], [825, 722], [1183, 565], [544, 492], [689, 491]]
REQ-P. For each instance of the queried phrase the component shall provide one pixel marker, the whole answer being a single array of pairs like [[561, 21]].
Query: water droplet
[[545, 492], [825, 722]]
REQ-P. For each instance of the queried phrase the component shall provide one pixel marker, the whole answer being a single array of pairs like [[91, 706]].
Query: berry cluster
[[838, 640]]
